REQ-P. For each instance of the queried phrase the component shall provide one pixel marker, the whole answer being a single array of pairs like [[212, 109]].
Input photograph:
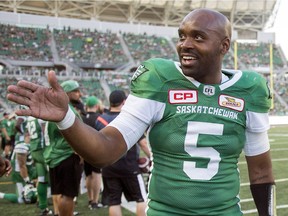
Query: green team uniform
[[34, 128], [37, 144], [57, 149], [5, 123], [197, 140], [19, 136], [22, 148]]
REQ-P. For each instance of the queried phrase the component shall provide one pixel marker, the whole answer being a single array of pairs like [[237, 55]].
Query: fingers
[[22, 93], [23, 88], [16, 97], [53, 81]]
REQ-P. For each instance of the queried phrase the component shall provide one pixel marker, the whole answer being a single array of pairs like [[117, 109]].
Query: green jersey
[[19, 137], [34, 128], [197, 135], [57, 148], [22, 148], [5, 123]]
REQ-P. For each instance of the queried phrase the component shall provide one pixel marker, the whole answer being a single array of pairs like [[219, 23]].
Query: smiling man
[[195, 154]]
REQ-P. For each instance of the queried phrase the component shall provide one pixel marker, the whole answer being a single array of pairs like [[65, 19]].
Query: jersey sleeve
[[147, 82], [259, 104], [260, 94]]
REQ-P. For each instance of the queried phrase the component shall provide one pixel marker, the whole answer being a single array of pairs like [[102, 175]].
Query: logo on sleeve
[[183, 96], [140, 70], [231, 102]]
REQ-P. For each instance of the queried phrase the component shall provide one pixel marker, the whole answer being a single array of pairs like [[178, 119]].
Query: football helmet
[[29, 194]]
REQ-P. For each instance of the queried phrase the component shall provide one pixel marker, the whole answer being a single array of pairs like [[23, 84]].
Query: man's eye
[[198, 37], [181, 37]]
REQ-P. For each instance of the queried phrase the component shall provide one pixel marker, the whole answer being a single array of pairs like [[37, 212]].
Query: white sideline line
[[278, 143], [255, 211], [279, 149], [278, 135], [246, 200], [277, 180], [273, 160]]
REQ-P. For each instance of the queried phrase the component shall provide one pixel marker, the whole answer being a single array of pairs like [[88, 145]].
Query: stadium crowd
[[100, 49]]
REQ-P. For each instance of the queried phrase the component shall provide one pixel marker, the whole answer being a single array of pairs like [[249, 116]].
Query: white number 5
[[189, 167]]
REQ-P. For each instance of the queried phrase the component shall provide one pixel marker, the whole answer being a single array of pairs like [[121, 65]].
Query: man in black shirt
[[124, 175], [93, 174]]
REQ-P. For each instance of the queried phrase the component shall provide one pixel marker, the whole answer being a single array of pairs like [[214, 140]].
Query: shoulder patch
[[140, 70]]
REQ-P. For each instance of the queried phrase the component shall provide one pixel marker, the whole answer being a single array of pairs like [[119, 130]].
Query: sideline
[[6, 183], [278, 120]]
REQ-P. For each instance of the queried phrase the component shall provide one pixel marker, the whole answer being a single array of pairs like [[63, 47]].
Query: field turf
[[279, 151]]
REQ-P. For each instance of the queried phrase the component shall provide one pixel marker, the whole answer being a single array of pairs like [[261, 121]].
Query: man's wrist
[[265, 198], [68, 120]]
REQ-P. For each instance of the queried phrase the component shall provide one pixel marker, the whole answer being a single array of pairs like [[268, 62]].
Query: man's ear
[[225, 45]]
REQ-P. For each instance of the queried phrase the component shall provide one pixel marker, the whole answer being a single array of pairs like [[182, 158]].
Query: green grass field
[[279, 148], [279, 152]]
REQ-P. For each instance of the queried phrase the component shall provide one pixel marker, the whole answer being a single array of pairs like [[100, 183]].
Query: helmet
[[29, 194]]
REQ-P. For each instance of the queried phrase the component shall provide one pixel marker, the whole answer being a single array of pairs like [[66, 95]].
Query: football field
[[279, 151]]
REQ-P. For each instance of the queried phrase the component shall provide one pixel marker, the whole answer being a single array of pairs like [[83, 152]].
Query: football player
[[35, 130], [23, 172], [199, 116]]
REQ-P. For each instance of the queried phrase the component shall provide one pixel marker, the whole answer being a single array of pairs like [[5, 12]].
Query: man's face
[[199, 46], [74, 95]]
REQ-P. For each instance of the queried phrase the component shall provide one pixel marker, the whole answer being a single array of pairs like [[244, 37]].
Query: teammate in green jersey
[[35, 129], [5, 133], [65, 166], [200, 118], [23, 171]]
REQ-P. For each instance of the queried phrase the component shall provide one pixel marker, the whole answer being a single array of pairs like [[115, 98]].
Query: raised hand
[[42, 102]]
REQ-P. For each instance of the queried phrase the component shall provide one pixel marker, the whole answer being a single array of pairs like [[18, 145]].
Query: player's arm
[[51, 104], [21, 158], [262, 183], [144, 146], [101, 148]]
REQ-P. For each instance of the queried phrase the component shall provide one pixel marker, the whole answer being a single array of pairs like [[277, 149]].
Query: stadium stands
[[102, 60]]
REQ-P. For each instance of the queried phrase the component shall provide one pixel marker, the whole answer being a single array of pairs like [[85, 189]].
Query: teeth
[[188, 58]]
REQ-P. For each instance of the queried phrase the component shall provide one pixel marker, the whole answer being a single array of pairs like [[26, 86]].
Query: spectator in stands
[[122, 177], [93, 174], [200, 118], [65, 166]]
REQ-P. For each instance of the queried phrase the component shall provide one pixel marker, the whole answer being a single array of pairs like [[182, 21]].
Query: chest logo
[[231, 102], [209, 90], [183, 96]]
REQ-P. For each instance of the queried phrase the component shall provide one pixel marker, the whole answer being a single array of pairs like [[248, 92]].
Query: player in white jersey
[[199, 117]]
